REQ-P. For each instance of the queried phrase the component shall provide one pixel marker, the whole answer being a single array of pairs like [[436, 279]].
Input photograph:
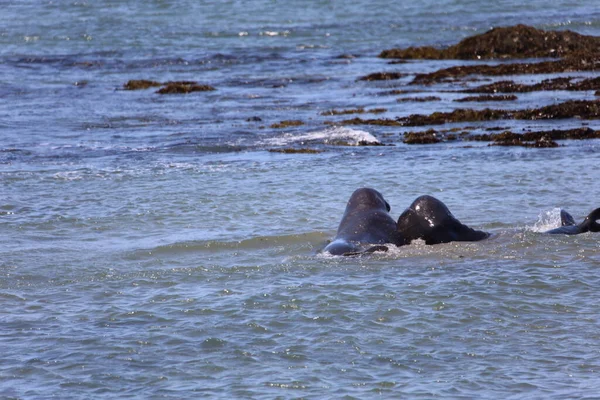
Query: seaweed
[[140, 84], [295, 151], [286, 124], [418, 99], [488, 97], [354, 111], [183, 87], [561, 83], [519, 41], [382, 76]]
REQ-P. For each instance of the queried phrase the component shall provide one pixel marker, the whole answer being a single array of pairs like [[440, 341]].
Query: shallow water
[[153, 247]]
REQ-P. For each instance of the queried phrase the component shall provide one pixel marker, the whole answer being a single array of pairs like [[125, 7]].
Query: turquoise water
[[153, 247]]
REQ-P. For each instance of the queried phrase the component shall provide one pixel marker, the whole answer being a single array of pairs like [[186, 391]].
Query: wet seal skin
[[569, 227], [366, 225], [430, 220]]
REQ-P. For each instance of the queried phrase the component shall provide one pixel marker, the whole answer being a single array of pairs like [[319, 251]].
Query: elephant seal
[[366, 222], [569, 227], [429, 219]]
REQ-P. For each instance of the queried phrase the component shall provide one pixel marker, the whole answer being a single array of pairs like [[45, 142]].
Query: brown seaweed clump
[[573, 62], [514, 139], [519, 41], [427, 137], [379, 122], [554, 134], [583, 109], [183, 87], [570, 109], [354, 111], [421, 99], [561, 83], [382, 76], [539, 139], [295, 151], [287, 124], [488, 97], [140, 84]]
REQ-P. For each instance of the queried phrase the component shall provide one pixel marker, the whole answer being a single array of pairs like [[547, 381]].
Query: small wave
[[311, 239], [547, 220], [339, 136]]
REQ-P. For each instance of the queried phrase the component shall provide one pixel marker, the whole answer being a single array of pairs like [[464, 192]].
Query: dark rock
[[354, 111], [382, 76], [380, 122], [574, 62], [520, 41], [562, 83], [488, 97], [183, 87], [426, 137], [418, 99], [286, 124], [295, 151], [139, 84]]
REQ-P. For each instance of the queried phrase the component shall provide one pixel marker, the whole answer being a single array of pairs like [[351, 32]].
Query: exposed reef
[[354, 111], [382, 76], [538, 139], [418, 99], [574, 62], [172, 87], [519, 41], [489, 97], [286, 124], [583, 109], [562, 83], [295, 151], [183, 87], [140, 84]]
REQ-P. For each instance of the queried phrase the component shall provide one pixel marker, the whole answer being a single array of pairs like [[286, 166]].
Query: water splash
[[340, 136], [547, 220]]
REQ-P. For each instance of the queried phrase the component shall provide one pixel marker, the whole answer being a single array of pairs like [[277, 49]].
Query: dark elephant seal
[[569, 227], [366, 222], [429, 219]]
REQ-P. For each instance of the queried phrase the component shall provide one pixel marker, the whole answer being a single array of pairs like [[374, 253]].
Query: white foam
[[547, 220], [331, 136]]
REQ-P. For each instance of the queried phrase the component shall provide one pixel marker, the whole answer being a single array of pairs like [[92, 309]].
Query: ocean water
[[153, 246]]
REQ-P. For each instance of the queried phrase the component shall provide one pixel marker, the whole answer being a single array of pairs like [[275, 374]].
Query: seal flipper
[[589, 224], [367, 251], [341, 247], [566, 219]]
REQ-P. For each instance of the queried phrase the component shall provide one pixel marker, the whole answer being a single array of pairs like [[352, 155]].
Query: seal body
[[429, 219], [366, 222], [569, 227]]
